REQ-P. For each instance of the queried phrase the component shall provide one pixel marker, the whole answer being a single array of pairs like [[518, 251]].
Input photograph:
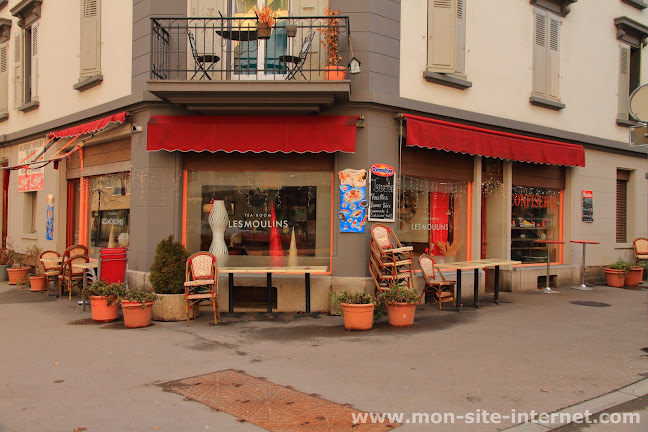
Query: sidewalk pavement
[[60, 372]]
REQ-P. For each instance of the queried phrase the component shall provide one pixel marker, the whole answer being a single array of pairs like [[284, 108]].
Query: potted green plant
[[104, 300], [167, 277], [266, 19], [19, 271], [31, 258], [357, 309], [5, 263], [615, 273], [330, 40], [401, 302], [136, 305]]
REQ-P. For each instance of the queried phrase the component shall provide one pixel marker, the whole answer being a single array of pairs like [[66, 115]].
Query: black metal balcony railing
[[232, 49]]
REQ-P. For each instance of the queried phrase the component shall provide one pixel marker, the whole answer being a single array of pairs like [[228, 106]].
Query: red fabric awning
[[256, 134], [458, 138], [89, 127]]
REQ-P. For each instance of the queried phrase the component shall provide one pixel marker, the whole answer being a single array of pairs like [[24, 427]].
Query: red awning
[[90, 127], [256, 134], [458, 138]]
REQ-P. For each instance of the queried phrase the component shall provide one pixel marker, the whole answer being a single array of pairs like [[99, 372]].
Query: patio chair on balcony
[[204, 62], [295, 64]]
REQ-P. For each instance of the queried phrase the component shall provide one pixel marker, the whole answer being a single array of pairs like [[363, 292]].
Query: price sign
[[382, 196]]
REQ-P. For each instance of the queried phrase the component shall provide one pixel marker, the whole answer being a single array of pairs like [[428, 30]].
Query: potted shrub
[[615, 273], [401, 302], [5, 263], [31, 258], [167, 279], [103, 300], [266, 19], [136, 305], [330, 40], [19, 271], [357, 309]]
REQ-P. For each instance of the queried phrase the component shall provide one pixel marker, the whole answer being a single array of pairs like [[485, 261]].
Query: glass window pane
[[109, 211]]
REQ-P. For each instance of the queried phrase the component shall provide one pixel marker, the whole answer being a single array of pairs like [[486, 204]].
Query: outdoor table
[[269, 271], [547, 289], [88, 270], [582, 286], [476, 265]]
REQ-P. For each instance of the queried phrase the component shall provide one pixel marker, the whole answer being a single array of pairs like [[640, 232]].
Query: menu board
[[381, 193], [588, 206], [353, 200]]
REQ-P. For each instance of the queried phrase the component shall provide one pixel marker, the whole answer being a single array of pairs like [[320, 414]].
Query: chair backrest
[[112, 265], [50, 254], [192, 44], [381, 235], [429, 269], [640, 246], [201, 265], [74, 250], [68, 265], [306, 46]]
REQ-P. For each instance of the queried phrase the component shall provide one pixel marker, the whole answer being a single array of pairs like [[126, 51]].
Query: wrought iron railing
[[229, 48]]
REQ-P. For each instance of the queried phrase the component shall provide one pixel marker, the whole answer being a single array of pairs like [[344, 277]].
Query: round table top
[[584, 241], [550, 241]]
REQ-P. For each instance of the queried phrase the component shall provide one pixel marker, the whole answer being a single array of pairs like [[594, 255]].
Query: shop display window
[[268, 218], [535, 214], [108, 211]]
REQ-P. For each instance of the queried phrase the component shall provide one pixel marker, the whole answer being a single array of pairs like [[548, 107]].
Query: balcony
[[212, 65]]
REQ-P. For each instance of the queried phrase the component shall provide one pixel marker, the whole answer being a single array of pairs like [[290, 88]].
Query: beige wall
[[59, 45], [499, 44]]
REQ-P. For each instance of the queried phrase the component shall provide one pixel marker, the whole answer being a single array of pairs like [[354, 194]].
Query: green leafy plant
[[100, 288], [353, 298], [168, 269], [621, 264], [399, 293], [133, 294]]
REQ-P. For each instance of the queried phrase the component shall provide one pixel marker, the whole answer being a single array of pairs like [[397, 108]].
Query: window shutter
[[461, 37], [624, 81], [621, 211], [34, 62], [90, 53], [4, 79], [553, 55], [540, 52], [442, 36], [18, 79]]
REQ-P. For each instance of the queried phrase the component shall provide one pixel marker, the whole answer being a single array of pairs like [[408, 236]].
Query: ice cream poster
[[353, 200]]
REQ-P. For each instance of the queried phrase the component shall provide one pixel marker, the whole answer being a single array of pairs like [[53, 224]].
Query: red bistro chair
[[112, 265], [201, 283]]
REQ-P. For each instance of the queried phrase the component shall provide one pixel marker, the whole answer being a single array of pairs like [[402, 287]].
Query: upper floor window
[[26, 55], [631, 35]]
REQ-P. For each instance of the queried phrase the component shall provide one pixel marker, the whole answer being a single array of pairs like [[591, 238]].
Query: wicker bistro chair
[[442, 290], [71, 275], [640, 249], [390, 261], [201, 283], [74, 250], [51, 270]]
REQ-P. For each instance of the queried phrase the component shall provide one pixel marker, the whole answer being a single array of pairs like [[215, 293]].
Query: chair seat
[[199, 282], [205, 295], [641, 256], [442, 283], [52, 273]]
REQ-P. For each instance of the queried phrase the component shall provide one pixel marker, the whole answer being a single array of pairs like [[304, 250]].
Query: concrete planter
[[170, 307]]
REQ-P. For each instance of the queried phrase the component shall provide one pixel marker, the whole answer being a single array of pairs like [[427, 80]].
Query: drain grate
[[590, 304]]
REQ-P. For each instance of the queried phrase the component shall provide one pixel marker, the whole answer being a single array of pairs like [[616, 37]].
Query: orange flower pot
[[334, 73], [37, 283], [358, 316], [614, 278], [16, 274], [401, 314], [635, 276], [101, 311], [135, 316]]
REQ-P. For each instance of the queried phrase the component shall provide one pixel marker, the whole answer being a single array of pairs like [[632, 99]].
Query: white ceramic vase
[[218, 222]]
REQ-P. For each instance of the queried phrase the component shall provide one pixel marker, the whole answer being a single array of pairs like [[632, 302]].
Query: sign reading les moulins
[[381, 193]]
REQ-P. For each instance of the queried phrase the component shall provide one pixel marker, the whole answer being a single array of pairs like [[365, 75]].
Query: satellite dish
[[638, 105]]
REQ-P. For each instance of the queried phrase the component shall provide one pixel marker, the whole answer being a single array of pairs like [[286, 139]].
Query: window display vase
[[218, 220]]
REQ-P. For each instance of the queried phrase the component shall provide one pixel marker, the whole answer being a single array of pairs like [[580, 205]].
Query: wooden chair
[[201, 283], [390, 261], [640, 249], [51, 270], [70, 275], [442, 290]]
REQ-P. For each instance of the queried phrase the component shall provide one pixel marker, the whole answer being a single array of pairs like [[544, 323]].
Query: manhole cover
[[590, 303]]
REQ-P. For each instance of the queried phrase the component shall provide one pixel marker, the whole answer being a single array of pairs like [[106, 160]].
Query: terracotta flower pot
[[134, 315], [614, 278], [37, 283], [401, 314], [358, 316], [101, 311], [634, 277], [16, 274], [334, 73]]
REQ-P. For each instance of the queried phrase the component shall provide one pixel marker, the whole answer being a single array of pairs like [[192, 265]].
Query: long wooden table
[[269, 271], [475, 265]]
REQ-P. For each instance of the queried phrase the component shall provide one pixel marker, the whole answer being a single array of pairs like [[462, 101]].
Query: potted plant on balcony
[[266, 19], [167, 278], [357, 309], [136, 305], [401, 302], [103, 300], [330, 40], [615, 273]]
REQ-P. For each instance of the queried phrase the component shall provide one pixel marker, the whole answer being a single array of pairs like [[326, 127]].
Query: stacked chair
[[390, 261], [112, 265]]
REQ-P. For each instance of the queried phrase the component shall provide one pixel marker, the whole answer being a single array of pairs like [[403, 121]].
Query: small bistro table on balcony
[[269, 271], [475, 265]]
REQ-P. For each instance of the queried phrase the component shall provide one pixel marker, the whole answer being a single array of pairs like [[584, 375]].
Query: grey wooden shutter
[[622, 206], [461, 37], [624, 81], [90, 53], [553, 58], [540, 52], [4, 79], [442, 36], [34, 62], [18, 78]]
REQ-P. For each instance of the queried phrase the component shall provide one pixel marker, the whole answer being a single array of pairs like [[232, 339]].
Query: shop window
[[622, 206], [30, 207], [434, 216], [535, 215], [267, 218], [108, 211]]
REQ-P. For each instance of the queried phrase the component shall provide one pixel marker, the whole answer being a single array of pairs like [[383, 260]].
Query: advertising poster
[[30, 179], [49, 224], [588, 206], [353, 200], [381, 192]]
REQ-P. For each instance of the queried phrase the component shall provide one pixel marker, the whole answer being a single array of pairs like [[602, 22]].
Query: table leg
[[582, 286], [547, 289], [308, 300], [230, 292], [269, 293], [496, 299], [476, 289], [458, 293], [85, 285]]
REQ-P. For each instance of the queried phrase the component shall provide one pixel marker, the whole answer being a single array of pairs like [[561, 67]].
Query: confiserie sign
[[381, 193], [536, 201]]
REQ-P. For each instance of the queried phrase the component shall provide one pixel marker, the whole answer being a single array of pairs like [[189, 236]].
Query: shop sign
[[382, 197], [588, 206], [353, 200], [49, 224], [534, 201], [30, 179]]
